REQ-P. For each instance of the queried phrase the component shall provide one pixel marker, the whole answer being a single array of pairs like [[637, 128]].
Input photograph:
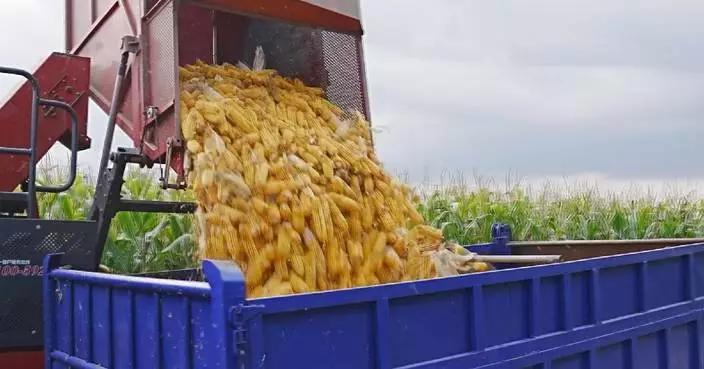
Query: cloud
[[540, 87], [541, 32], [544, 88], [30, 30]]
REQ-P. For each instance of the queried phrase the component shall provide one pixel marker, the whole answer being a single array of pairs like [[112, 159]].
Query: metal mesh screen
[[23, 245], [161, 57], [325, 59], [341, 62]]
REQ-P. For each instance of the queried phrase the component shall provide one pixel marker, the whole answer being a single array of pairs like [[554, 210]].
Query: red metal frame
[[61, 77], [152, 79], [22, 360], [294, 11]]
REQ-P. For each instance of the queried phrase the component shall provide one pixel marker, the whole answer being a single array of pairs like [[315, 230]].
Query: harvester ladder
[[16, 202]]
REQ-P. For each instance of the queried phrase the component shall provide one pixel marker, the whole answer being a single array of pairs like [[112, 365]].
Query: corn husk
[[289, 187]]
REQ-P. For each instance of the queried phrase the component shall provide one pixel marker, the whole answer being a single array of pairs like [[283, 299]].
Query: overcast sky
[[613, 89]]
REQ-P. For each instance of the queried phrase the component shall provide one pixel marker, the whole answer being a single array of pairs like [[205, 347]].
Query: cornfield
[[144, 242]]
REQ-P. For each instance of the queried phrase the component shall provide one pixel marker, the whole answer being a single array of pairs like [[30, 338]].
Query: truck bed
[[640, 310]]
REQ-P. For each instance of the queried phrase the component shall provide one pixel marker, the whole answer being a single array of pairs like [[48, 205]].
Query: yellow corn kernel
[[232, 161], [332, 258], [285, 212], [355, 228], [386, 220], [267, 232], [392, 260], [194, 147], [296, 240], [356, 187], [340, 186], [283, 243], [192, 124], [298, 284], [368, 214], [278, 169], [345, 203], [298, 220], [385, 275], [260, 205], [261, 174], [233, 245], [368, 245], [318, 221], [372, 280], [415, 216], [240, 204], [346, 281], [368, 185], [391, 238], [400, 247], [274, 187], [281, 269], [308, 157], [273, 215], [256, 292], [281, 289], [344, 258], [257, 269], [430, 232], [298, 264], [379, 199], [216, 244], [398, 215], [321, 281], [379, 244], [327, 169], [249, 173], [481, 266], [356, 253], [310, 269], [284, 197], [321, 269], [327, 219], [248, 244], [236, 116]]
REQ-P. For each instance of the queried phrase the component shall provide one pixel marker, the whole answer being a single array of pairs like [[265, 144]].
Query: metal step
[[12, 203]]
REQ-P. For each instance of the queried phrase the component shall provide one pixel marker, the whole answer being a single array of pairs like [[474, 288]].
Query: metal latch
[[240, 316]]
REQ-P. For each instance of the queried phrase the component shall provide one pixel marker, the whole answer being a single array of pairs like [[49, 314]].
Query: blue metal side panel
[[630, 311], [642, 310], [106, 321]]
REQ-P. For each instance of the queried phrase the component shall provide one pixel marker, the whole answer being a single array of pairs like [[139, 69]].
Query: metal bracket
[[53, 94], [59, 294], [240, 316], [130, 44], [151, 112], [171, 144]]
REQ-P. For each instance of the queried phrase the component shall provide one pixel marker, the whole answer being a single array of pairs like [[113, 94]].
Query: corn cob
[[289, 187]]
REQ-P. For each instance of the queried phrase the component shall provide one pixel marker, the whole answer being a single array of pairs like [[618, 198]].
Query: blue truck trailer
[[630, 306], [636, 310]]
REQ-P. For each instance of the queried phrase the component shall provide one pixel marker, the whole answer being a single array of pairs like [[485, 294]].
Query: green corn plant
[[146, 242], [137, 242]]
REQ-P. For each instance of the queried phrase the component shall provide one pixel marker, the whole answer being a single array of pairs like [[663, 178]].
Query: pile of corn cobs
[[289, 187]]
